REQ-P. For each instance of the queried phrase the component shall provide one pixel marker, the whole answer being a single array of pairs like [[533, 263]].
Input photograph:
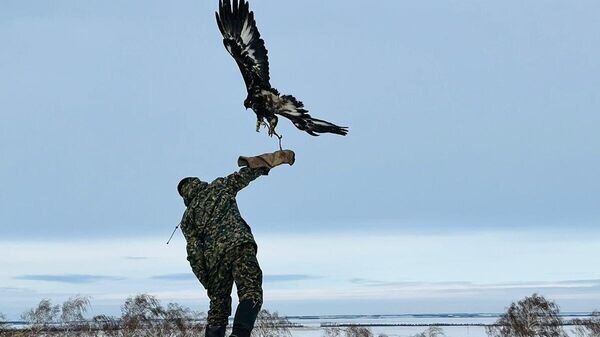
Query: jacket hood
[[189, 188]]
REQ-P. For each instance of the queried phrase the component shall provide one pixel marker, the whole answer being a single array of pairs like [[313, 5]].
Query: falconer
[[220, 246]]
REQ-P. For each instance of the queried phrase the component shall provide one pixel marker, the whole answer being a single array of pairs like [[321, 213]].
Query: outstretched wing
[[289, 107], [243, 42]]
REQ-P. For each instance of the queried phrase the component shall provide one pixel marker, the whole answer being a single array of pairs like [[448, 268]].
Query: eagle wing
[[291, 108], [242, 40]]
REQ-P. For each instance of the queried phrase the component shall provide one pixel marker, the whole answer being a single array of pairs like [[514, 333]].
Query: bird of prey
[[242, 40]]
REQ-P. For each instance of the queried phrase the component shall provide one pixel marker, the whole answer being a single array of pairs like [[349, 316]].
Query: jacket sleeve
[[198, 262], [195, 247], [241, 179]]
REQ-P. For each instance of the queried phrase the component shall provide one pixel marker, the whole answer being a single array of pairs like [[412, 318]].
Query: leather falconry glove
[[268, 160]]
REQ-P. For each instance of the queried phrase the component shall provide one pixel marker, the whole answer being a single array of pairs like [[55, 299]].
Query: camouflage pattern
[[242, 267], [220, 245]]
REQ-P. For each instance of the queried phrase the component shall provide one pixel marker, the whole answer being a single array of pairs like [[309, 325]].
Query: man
[[220, 246]]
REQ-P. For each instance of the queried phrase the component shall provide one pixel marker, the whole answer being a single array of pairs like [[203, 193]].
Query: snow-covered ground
[[399, 331], [312, 327], [401, 325]]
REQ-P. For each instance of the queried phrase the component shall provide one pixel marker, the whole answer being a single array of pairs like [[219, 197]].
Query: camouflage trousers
[[239, 266]]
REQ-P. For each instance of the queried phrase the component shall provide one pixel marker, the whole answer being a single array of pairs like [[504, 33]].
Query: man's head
[[189, 187]]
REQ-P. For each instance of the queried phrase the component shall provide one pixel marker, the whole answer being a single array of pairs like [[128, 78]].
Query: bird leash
[[176, 227], [172, 234]]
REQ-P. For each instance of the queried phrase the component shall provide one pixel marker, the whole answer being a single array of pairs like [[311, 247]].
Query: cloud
[[175, 277], [69, 278], [4, 291], [534, 285], [471, 286], [9, 289], [136, 258], [266, 278], [581, 282], [378, 283], [288, 277], [365, 282], [391, 267]]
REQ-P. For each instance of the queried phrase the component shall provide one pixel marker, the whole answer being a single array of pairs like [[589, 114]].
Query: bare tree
[[358, 331], [271, 325], [182, 321], [533, 316], [74, 308], [4, 329], [2, 322], [141, 315], [333, 332], [72, 315], [42, 316], [106, 326], [432, 331], [589, 327]]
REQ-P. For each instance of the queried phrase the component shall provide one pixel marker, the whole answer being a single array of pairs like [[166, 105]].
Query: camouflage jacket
[[212, 223]]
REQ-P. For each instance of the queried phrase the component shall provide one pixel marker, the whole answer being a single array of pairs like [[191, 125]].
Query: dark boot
[[245, 316], [215, 331]]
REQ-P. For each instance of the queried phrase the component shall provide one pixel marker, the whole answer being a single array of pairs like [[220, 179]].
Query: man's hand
[[268, 160]]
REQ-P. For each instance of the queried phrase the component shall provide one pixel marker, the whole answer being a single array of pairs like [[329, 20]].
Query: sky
[[469, 178]]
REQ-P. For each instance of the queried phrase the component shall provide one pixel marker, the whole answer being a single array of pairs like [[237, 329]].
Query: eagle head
[[248, 103]]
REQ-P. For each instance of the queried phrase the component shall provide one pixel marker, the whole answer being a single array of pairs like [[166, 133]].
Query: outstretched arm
[[257, 166], [244, 177]]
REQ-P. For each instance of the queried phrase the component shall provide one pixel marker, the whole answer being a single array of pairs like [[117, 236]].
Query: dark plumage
[[242, 40]]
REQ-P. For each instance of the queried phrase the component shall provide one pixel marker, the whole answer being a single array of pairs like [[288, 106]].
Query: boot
[[245, 316], [269, 160], [215, 331]]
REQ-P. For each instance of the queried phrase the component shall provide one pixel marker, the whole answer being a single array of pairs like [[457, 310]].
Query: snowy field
[[399, 331], [452, 325], [312, 327]]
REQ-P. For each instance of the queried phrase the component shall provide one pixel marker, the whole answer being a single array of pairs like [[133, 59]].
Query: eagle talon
[[279, 137], [260, 124]]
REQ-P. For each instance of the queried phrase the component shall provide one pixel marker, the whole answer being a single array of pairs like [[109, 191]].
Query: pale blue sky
[[467, 119]]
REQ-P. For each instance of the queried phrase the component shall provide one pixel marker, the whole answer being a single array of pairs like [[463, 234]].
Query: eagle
[[242, 40]]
